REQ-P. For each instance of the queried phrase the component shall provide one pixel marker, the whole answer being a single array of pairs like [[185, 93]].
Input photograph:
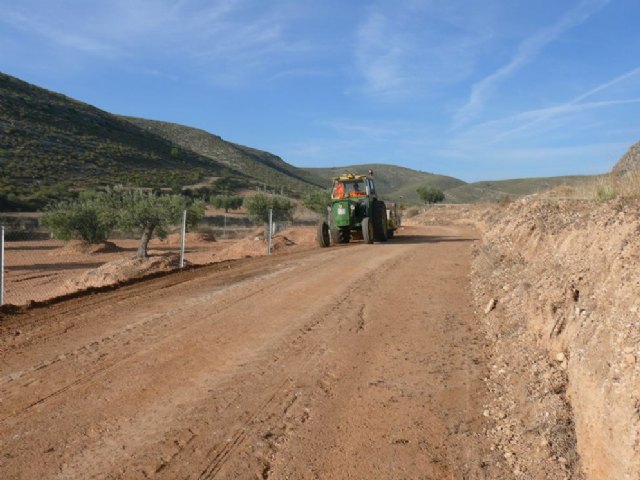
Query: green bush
[[318, 201], [88, 219], [605, 193], [94, 215], [430, 194], [258, 207], [150, 213], [228, 202]]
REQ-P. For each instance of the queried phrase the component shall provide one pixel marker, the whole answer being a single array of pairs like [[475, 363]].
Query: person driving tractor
[[347, 189], [355, 191], [338, 190]]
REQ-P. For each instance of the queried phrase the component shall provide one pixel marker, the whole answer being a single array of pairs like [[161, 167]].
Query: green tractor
[[355, 213]]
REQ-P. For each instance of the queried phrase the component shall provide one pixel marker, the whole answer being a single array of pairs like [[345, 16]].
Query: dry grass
[[601, 188], [627, 185]]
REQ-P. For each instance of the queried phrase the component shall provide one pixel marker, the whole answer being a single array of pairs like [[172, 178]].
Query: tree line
[[94, 215]]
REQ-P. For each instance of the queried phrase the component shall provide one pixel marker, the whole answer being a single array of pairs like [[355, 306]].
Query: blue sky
[[476, 89]]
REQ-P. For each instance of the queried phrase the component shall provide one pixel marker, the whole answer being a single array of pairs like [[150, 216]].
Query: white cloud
[[549, 117], [527, 51], [237, 36], [57, 34], [381, 55], [414, 49]]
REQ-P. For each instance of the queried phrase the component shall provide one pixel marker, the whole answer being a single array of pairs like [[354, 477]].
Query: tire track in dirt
[[81, 355], [245, 380]]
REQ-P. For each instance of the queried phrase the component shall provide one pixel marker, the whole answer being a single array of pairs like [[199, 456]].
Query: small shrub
[[605, 193], [505, 200], [411, 212], [88, 219]]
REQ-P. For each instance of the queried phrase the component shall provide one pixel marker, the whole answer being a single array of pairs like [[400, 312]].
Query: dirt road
[[361, 362]]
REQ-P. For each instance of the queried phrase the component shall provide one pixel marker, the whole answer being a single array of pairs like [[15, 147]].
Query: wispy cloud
[[57, 35], [412, 49], [381, 55], [527, 51], [524, 122], [236, 36]]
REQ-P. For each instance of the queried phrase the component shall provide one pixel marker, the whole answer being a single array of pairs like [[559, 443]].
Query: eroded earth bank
[[566, 278], [557, 285]]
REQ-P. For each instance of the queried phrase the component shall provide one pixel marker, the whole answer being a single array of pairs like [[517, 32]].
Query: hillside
[[50, 143], [630, 161], [393, 182], [262, 166]]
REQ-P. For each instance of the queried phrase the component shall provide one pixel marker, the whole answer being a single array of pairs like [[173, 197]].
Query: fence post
[[2, 265], [270, 230], [183, 233]]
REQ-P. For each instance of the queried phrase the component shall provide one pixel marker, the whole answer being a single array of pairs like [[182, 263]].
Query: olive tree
[[93, 216], [88, 218], [149, 213], [258, 207], [318, 201], [228, 202], [430, 194]]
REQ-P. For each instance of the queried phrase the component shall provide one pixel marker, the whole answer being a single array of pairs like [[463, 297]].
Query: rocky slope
[[630, 161]]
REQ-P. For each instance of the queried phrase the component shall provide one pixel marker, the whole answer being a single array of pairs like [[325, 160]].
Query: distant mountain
[[262, 166], [392, 182], [400, 184], [630, 161], [487, 191]]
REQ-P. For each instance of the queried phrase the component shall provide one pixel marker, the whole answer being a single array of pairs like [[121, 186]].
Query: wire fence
[[35, 266]]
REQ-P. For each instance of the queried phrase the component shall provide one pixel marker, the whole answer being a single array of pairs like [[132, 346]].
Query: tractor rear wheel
[[322, 236], [367, 230], [379, 219]]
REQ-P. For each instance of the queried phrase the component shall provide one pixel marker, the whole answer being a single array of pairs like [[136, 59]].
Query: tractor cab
[[352, 186]]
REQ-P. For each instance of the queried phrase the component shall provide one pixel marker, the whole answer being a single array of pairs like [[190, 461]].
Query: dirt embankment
[[557, 285], [42, 270]]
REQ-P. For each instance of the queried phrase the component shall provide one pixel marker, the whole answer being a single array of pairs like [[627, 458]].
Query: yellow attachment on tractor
[[349, 177]]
